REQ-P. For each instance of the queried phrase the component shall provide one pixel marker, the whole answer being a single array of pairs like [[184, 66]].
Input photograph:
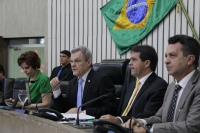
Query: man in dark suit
[[64, 69], [149, 96], [87, 86], [180, 110]]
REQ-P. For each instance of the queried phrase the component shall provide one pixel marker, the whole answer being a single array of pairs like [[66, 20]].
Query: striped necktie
[[170, 114]]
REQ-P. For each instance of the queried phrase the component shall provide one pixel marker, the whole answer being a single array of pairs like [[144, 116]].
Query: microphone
[[42, 112], [49, 91], [16, 100], [77, 125], [148, 131], [16, 87]]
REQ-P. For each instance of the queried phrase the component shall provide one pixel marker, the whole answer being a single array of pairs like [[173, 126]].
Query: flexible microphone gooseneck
[[16, 87], [77, 125], [43, 112], [51, 89]]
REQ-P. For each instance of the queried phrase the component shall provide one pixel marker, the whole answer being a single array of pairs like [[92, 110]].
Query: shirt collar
[[185, 80], [143, 79], [84, 77]]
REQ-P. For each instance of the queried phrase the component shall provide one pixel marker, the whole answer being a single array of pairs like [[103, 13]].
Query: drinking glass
[[23, 96]]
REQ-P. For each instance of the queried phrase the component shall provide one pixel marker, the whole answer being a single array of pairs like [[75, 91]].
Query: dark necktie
[[170, 115], [59, 72], [79, 93]]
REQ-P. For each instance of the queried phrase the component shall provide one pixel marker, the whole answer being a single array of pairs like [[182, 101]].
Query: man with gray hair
[[87, 86]]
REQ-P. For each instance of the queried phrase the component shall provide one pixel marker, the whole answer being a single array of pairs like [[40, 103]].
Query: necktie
[[58, 74], [131, 99], [170, 115], [79, 93]]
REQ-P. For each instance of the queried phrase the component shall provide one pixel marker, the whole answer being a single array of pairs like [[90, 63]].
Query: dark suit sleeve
[[107, 104], [62, 104], [155, 100], [53, 74]]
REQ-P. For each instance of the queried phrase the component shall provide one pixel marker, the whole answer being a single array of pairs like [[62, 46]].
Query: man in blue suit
[[64, 69]]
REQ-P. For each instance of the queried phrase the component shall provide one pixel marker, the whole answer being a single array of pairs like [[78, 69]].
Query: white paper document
[[82, 116]]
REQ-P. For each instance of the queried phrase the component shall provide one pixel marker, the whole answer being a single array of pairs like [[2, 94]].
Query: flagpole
[[188, 19]]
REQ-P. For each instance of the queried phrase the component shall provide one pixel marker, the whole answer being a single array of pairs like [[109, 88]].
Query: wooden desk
[[13, 122]]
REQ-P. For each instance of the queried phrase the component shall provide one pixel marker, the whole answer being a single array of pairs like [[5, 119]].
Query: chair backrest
[[115, 69], [95, 66], [17, 87], [128, 79], [8, 85], [63, 87]]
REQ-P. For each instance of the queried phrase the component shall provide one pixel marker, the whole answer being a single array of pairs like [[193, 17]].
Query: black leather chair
[[63, 87], [115, 69], [17, 87], [127, 80], [95, 66], [8, 85]]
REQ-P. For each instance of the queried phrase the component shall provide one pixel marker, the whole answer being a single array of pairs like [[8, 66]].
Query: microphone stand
[[77, 125], [42, 112], [36, 106], [17, 99]]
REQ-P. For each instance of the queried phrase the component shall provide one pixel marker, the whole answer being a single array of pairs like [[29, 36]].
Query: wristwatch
[[149, 128]]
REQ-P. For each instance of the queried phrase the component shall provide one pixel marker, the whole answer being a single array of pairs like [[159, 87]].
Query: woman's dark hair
[[31, 58]]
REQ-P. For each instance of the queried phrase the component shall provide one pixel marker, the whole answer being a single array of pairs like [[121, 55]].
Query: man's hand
[[139, 129], [54, 82], [111, 118], [73, 111], [133, 123]]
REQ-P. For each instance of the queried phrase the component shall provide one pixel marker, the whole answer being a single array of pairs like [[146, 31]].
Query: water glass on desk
[[23, 96]]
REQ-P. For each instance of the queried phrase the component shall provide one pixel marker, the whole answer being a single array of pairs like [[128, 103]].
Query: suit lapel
[[128, 96], [63, 73], [145, 85], [87, 84], [190, 85], [168, 101]]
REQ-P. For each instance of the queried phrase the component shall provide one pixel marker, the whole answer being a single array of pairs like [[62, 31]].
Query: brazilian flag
[[129, 21]]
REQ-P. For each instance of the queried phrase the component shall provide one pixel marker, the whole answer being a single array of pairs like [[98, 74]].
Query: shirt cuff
[[145, 122], [56, 93], [151, 130], [122, 122]]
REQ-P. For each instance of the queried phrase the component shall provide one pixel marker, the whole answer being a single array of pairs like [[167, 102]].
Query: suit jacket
[[148, 100], [95, 86], [187, 116], [65, 71]]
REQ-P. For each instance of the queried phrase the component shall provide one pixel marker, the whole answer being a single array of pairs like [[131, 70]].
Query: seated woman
[[30, 63]]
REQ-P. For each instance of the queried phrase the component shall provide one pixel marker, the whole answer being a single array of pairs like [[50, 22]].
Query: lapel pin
[[88, 80]]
